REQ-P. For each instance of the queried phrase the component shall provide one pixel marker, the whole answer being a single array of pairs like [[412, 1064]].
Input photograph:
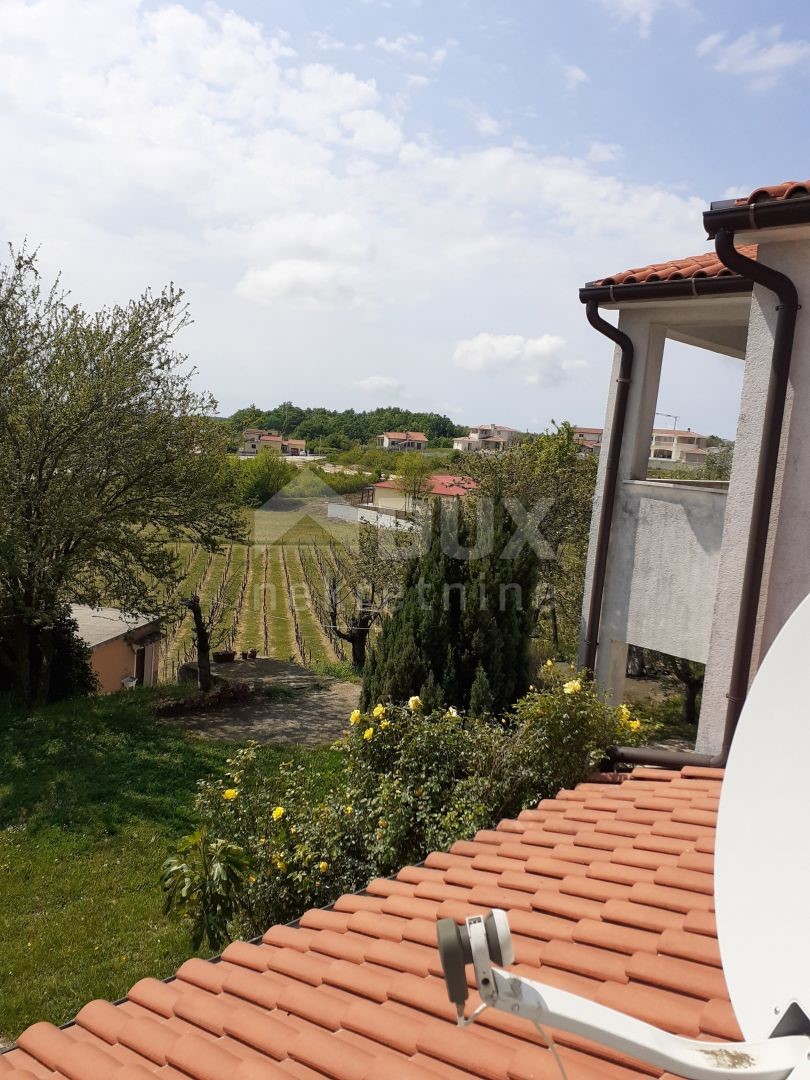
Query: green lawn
[[93, 796]]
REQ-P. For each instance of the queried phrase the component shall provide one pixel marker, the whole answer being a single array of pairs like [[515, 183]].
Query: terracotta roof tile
[[608, 892], [707, 265], [788, 189]]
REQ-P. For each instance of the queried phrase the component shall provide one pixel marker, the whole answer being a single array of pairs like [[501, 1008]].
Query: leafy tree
[[468, 604], [412, 477], [480, 694], [548, 473], [259, 478], [72, 674], [105, 452]]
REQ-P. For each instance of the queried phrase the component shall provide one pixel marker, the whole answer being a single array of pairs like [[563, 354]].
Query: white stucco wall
[[660, 589], [786, 580]]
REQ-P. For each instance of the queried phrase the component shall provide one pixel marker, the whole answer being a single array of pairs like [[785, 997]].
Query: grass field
[[246, 588], [93, 796]]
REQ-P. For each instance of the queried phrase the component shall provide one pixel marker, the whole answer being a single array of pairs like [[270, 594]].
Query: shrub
[[414, 781]]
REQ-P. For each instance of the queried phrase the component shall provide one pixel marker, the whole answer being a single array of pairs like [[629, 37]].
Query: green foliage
[[329, 428], [259, 478], [105, 451], [481, 699], [203, 882], [72, 674], [413, 781], [345, 483], [562, 728], [459, 613], [93, 795], [549, 473]]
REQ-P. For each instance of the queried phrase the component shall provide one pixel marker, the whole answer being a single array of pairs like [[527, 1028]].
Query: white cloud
[[574, 76], [411, 47], [305, 212], [327, 43], [372, 131], [404, 44], [304, 281], [374, 384], [600, 152], [761, 55], [487, 125], [640, 12], [493, 352]]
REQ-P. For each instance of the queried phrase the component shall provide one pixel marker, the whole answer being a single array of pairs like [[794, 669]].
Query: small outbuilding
[[122, 647]]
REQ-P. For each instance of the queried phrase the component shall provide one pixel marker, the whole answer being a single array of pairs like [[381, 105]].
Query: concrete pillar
[[648, 338], [786, 580]]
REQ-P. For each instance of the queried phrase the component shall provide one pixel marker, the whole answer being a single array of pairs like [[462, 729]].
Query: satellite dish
[[762, 861]]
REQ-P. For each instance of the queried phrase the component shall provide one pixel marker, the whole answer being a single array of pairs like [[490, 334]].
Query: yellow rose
[[278, 813], [549, 663], [634, 725], [230, 793], [252, 879], [279, 863], [385, 723], [379, 710], [624, 714], [323, 867], [415, 703], [356, 717], [452, 712], [572, 687], [348, 809], [368, 734]]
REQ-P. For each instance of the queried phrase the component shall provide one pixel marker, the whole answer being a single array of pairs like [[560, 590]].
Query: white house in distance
[[667, 444], [402, 440], [709, 573], [486, 437]]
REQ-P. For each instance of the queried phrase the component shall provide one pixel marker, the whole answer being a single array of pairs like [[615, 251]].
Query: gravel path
[[315, 713]]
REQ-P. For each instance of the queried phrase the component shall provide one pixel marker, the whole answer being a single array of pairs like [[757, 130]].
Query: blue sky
[[390, 201]]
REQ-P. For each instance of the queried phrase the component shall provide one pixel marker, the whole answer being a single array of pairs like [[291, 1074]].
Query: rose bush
[[412, 782]]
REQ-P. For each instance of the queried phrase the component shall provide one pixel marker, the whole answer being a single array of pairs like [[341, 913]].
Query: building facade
[[123, 649], [402, 440], [491, 437], [707, 572]]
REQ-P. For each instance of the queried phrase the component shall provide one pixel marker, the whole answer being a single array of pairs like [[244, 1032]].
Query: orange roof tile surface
[[788, 189], [609, 892], [694, 266], [440, 484]]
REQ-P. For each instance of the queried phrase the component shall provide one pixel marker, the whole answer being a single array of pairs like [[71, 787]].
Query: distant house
[[402, 440], [667, 444], [256, 439], [122, 648], [589, 439], [684, 446], [389, 495], [486, 437]]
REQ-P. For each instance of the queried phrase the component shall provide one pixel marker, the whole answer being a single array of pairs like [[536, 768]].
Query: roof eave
[[739, 217], [683, 288]]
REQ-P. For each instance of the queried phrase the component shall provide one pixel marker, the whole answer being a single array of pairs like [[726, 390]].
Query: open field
[[94, 794], [259, 593]]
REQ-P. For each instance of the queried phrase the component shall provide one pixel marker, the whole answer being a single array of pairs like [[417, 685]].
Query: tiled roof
[[694, 266], [440, 484], [418, 435], [609, 892], [788, 189]]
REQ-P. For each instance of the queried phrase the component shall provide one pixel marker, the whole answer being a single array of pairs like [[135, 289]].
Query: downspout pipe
[[787, 309], [611, 475]]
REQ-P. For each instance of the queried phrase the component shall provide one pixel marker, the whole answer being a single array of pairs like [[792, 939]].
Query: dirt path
[[309, 709]]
